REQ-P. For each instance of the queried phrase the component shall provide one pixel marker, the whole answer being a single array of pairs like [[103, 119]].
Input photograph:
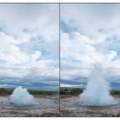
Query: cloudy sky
[[29, 46], [90, 33]]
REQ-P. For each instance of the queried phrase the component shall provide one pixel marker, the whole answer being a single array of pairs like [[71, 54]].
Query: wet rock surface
[[66, 111], [41, 112]]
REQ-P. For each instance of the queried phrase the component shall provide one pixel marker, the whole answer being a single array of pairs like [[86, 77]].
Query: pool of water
[[78, 104], [39, 104], [53, 96]]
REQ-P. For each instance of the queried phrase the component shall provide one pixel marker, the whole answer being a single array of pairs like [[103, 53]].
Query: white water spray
[[98, 90], [21, 96]]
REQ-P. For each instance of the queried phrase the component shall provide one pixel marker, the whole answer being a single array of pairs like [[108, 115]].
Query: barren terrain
[[84, 112]]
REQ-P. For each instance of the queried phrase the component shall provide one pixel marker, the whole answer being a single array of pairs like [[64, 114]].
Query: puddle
[[40, 104]]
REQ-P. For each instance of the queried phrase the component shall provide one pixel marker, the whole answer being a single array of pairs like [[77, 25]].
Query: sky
[[89, 34], [29, 46]]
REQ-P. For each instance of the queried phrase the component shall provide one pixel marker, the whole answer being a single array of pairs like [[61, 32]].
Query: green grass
[[3, 91], [33, 92], [77, 91], [43, 92], [115, 92]]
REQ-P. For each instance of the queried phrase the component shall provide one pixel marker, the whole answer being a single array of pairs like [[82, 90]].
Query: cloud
[[82, 48], [2, 86], [29, 40], [92, 37], [89, 18], [67, 85]]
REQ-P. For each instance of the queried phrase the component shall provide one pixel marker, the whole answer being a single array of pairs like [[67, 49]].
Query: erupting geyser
[[98, 90], [21, 97]]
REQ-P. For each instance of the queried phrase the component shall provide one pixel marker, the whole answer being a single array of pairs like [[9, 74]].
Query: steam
[[98, 89], [21, 96]]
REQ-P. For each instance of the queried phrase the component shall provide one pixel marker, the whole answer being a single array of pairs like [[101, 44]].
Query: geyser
[[21, 97], [97, 92]]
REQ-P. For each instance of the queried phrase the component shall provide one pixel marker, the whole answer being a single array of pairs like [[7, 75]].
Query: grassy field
[[33, 92], [74, 91], [115, 92], [77, 91]]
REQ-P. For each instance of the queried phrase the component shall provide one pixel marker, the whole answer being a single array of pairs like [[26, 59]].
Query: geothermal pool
[[79, 105], [39, 104]]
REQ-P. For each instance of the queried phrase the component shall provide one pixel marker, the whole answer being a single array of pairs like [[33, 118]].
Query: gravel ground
[[84, 112]]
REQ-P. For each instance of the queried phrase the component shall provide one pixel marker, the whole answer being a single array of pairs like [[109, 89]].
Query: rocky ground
[[84, 112], [42, 112]]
